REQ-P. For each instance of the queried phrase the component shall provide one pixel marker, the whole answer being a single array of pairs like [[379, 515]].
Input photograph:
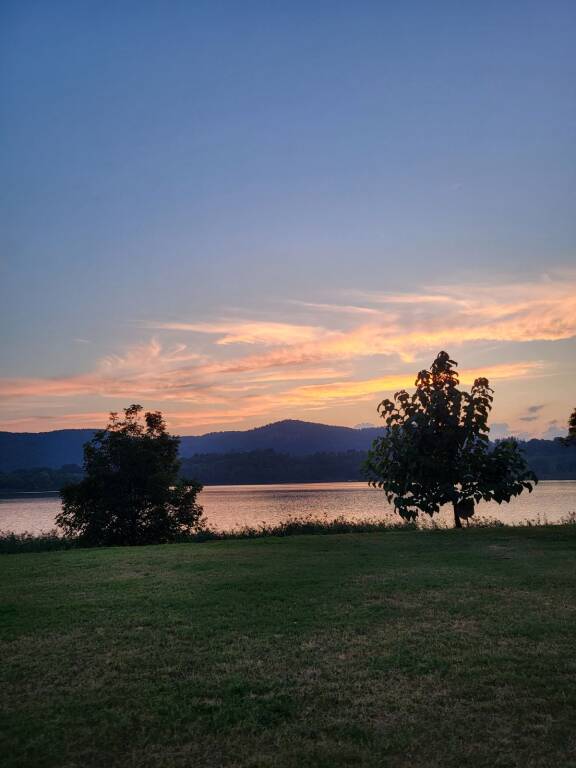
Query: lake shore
[[251, 506], [50, 541]]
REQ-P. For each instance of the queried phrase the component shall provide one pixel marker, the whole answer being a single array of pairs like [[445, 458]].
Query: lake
[[233, 506]]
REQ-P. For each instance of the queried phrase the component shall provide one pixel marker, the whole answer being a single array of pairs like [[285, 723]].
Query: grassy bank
[[396, 648], [17, 543]]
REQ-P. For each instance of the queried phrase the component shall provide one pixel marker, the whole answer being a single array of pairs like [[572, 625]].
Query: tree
[[436, 449], [130, 493], [570, 438]]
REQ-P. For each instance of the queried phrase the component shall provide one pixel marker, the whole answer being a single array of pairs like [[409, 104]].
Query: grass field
[[421, 649]]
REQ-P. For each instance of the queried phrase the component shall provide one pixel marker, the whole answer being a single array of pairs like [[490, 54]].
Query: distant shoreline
[[12, 494]]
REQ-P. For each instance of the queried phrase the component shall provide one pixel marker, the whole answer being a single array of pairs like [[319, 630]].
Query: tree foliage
[[130, 493], [436, 449], [40, 478], [570, 438]]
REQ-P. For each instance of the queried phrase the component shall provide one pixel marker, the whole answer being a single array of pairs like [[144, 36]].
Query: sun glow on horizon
[[231, 372]]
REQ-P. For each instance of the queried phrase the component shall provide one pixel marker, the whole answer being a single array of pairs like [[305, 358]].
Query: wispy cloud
[[229, 371], [248, 332], [368, 388], [339, 309], [532, 413]]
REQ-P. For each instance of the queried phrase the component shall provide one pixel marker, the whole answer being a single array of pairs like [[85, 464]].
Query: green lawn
[[417, 649]]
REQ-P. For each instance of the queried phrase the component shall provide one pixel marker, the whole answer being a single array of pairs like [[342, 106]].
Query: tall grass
[[14, 543]]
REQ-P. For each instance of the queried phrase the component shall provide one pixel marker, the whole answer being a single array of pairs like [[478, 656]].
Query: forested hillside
[[549, 459]]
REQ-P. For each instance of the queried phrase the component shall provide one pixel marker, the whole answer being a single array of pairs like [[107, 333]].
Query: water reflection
[[233, 506]]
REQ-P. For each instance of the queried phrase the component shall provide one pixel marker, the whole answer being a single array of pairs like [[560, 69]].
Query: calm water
[[233, 506]]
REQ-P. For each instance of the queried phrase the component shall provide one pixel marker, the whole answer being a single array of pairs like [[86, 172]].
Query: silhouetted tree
[[436, 449], [130, 493], [570, 438]]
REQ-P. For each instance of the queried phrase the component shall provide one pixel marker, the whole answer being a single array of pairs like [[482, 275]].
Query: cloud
[[143, 369], [499, 430], [411, 325], [532, 413], [339, 309], [553, 431], [228, 371], [369, 388], [248, 332], [489, 312]]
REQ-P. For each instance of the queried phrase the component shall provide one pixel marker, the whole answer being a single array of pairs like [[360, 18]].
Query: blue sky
[[222, 209]]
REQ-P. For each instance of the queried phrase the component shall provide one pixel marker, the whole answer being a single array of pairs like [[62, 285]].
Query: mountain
[[298, 438], [24, 450]]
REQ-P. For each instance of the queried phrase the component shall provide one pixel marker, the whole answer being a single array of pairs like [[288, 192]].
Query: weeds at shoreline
[[53, 540]]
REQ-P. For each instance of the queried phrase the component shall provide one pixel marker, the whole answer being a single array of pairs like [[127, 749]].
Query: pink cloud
[[225, 385]]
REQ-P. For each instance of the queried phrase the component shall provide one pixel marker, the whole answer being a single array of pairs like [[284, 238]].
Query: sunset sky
[[245, 212]]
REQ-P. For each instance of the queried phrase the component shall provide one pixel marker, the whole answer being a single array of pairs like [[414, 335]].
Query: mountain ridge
[[297, 438], [53, 449]]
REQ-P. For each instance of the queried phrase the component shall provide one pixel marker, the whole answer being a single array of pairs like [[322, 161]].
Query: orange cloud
[[225, 385], [356, 390]]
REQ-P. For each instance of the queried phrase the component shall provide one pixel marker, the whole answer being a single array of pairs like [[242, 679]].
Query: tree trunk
[[457, 521], [463, 510]]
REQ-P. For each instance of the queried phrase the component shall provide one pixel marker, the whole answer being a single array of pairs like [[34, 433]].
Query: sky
[[244, 212]]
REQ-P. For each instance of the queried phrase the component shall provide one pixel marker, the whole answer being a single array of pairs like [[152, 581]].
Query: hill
[[25, 450], [276, 453], [297, 438]]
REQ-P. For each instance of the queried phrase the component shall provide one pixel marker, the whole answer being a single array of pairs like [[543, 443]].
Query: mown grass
[[397, 648]]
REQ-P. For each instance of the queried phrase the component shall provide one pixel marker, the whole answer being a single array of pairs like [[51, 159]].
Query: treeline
[[40, 478], [550, 460], [268, 466], [249, 468]]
